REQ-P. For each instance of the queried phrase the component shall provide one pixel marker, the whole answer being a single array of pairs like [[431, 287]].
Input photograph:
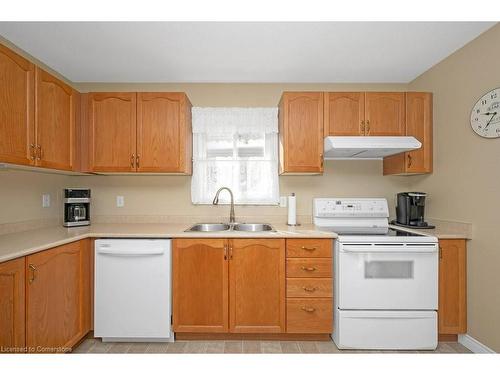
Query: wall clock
[[485, 115]]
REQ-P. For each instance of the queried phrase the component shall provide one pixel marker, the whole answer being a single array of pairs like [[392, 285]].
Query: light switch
[[46, 200], [120, 201]]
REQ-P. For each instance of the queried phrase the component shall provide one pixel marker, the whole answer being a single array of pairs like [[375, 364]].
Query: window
[[236, 148]]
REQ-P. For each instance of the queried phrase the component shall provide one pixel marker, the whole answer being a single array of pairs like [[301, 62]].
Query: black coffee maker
[[410, 210]]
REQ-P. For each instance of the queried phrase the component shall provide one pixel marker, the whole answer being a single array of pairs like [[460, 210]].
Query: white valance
[[222, 120]]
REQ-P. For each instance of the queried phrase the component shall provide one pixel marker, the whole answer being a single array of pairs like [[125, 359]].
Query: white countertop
[[14, 245]]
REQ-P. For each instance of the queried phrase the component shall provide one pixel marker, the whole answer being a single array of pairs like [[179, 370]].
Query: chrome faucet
[[216, 201]]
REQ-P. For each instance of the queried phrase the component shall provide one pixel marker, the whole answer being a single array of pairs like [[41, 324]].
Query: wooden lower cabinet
[[309, 283], [222, 285], [452, 309], [200, 285], [309, 315], [257, 285], [12, 305], [58, 297]]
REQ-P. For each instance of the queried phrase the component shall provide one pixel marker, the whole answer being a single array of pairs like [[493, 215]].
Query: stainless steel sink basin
[[209, 227], [253, 227], [221, 227]]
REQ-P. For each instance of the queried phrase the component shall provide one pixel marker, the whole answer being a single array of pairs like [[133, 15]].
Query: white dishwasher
[[133, 299]]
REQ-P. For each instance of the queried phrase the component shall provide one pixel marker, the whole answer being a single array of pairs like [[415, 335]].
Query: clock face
[[485, 116]]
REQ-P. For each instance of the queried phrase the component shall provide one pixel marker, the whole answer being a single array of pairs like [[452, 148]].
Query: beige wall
[[170, 195], [21, 195], [465, 185], [161, 195]]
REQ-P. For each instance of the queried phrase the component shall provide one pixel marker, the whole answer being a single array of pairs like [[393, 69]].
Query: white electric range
[[385, 280]]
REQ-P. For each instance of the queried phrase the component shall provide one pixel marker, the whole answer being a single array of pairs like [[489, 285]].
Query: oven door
[[391, 276]]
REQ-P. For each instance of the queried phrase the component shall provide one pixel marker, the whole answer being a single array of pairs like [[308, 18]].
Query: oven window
[[379, 269]]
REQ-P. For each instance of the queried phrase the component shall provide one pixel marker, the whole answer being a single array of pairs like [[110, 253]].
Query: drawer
[[309, 267], [309, 287], [309, 248], [309, 315]]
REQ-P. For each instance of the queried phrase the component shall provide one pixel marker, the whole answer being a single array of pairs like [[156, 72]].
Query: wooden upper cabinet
[[384, 113], [418, 125], [164, 133], [344, 113], [301, 132], [12, 306], [54, 121], [452, 309], [257, 285], [17, 126], [200, 285], [58, 295], [112, 131]]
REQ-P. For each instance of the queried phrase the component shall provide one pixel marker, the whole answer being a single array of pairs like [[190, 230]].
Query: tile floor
[[93, 345]]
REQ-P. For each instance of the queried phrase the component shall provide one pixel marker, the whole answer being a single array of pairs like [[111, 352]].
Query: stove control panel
[[350, 207]]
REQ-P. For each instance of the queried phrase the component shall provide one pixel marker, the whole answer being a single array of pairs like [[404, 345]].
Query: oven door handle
[[374, 250]]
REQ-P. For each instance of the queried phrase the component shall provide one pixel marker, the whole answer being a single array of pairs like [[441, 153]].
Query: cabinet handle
[[322, 160], [367, 127], [32, 151], [308, 309], [137, 158], [309, 289], [33, 273], [230, 252], [309, 248], [440, 252], [132, 161], [38, 153], [308, 269], [362, 131], [225, 252], [409, 160]]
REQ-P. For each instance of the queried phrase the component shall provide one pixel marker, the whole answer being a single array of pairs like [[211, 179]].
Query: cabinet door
[[112, 128], [163, 133], [301, 132], [58, 296], [385, 113], [452, 309], [17, 126], [54, 121], [418, 125], [344, 113], [12, 311], [257, 285], [200, 289]]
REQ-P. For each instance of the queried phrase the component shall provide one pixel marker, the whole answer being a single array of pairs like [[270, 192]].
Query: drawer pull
[[309, 289], [308, 309], [308, 269], [308, 248]]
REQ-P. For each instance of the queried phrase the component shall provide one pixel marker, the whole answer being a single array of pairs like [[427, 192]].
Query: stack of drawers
[[309, 286]]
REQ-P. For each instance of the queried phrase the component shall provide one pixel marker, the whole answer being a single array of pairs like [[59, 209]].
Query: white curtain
[[237, 148]]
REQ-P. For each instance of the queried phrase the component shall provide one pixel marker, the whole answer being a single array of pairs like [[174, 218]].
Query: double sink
[[238, 227]]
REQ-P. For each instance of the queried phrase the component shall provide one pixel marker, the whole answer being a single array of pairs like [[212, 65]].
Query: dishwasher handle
[[123, 252]]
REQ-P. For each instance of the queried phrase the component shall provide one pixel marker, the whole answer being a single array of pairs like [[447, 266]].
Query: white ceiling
[[241, 52]]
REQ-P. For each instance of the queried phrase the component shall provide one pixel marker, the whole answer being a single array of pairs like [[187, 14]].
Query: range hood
[[367, 147]]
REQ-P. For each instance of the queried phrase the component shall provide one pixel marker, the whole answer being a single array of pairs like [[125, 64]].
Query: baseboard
[[473, 345]]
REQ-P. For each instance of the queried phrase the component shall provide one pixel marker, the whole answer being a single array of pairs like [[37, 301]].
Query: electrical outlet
[[120, 201], [283, 201], [46, 200]]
